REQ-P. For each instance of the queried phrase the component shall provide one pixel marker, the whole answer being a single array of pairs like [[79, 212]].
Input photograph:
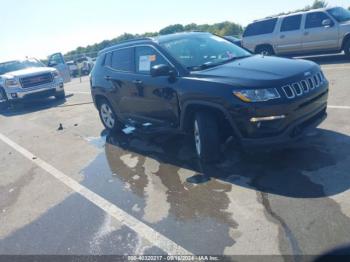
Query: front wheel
[[4, 103], [61, 95], [206, 137]]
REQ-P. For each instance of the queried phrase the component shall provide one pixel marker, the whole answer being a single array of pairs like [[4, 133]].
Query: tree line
[[222, 29]]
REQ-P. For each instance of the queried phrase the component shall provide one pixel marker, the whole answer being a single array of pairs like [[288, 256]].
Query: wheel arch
[[190, 108], [264, 45], [345, 40]]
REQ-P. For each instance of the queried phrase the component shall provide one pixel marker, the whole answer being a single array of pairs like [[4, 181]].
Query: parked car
[[204, 85], [57, 61], [73, 68], [85, 64], [317, 31], [234, 40], [28, 78]]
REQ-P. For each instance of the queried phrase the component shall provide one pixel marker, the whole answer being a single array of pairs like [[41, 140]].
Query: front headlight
[[55, 74], [12, 83], [257, 95]]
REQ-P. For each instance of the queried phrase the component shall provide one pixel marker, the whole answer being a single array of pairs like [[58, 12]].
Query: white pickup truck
[[28, 78]]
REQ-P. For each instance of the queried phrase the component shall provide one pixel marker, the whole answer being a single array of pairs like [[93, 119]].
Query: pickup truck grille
[[305, 86], [36, 80]]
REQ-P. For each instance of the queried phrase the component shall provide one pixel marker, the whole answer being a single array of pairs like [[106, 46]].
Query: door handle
[[137, 82], [282, 36], [306, 33], [108, 78]]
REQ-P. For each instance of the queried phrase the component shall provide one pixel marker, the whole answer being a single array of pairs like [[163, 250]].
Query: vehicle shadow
[[314, 167], [30, 106], [328, 59]]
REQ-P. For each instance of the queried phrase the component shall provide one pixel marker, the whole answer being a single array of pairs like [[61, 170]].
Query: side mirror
[[327, 22], [161, 70]]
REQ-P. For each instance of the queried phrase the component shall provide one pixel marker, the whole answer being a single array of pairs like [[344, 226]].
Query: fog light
[[267, 118], [14, 95]]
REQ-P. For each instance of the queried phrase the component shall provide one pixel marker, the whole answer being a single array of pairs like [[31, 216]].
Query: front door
[[57, 61], [155, 99], [319, 35]]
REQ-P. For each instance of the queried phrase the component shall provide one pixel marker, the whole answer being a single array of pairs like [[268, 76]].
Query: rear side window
[[146, 57], [122, 60], [291, 23], [261, 28], [315, 19]]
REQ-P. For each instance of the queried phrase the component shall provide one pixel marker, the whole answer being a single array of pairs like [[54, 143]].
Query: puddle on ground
[[160, 182]]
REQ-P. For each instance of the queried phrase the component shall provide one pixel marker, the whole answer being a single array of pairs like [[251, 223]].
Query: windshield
[[202, 51], [19, 65], [340, 14]]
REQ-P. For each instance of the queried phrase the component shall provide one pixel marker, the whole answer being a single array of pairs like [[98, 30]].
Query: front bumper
[[298, 117], [42, 91], [294, 132]]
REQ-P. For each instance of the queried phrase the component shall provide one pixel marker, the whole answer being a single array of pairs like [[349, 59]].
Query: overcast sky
[[41, 27]]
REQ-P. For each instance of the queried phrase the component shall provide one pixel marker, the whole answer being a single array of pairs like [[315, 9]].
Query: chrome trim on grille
[[304, 86], [297, 88], [290, 89]]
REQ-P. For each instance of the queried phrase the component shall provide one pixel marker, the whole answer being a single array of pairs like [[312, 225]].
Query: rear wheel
[[108, 117], [206, 137], [347, 48], [265, 50]]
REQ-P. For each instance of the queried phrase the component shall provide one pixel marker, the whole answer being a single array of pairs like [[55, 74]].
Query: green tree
[[171, 29], [224, 28]]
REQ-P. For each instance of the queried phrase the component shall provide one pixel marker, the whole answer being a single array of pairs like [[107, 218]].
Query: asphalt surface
[[82, 191]]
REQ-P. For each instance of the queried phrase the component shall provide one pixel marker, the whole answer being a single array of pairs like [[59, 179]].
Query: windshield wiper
[[211, 64]]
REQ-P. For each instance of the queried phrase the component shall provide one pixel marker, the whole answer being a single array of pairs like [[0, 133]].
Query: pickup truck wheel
[[206, 137], [347, 48], [60, 95], [265, 50], [108, 117], [4, 104]]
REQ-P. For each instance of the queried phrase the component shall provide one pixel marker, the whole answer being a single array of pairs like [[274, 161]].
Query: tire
[[206, 137], [347, 48], [4, 103], [108, 116], [60, 95], [265, 50]]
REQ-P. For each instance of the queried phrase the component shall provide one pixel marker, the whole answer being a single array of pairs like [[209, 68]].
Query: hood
[[28, 72], [258, 69]]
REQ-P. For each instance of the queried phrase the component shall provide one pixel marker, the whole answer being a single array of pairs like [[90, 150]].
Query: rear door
[[119, 75], [289, 38], [317, 36], [57, 61]]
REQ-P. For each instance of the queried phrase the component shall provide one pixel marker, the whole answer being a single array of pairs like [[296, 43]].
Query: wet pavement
[[288, 201]]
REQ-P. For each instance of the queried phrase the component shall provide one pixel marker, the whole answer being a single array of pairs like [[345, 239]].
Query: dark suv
[[201, 84]]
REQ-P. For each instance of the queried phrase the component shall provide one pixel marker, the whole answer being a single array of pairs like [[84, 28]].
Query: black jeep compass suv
[[202, 84]]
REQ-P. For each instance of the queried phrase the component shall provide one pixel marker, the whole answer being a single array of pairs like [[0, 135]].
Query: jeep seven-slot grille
[[36, 80], [305, 86]]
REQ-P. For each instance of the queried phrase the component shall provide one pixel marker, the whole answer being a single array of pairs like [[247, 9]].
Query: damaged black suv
[[201, 84]]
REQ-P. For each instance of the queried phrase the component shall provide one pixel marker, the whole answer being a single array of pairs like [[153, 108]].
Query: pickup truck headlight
[[55, 74], [12, 83], [257, 95]]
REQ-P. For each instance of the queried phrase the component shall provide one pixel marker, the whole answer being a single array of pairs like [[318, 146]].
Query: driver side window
[[146, 57]]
